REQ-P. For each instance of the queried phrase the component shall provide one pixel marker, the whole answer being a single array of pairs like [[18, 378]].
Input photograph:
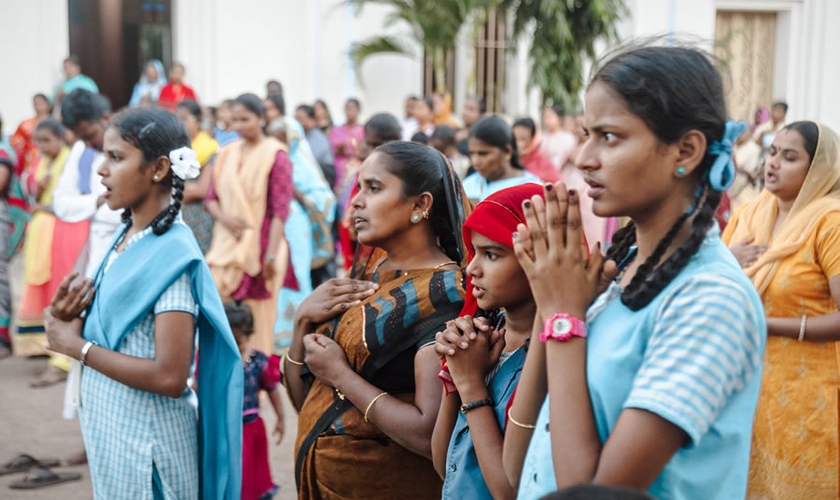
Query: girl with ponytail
[[648, 363], [154, 301]]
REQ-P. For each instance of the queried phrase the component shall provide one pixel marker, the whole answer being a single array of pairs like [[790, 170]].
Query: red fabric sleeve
[[280, 187], [271, 376]]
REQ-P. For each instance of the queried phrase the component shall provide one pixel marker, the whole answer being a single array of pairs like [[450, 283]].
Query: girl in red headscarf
[[483, 352]]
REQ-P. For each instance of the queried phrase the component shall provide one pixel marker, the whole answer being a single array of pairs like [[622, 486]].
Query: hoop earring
[[426, 214]]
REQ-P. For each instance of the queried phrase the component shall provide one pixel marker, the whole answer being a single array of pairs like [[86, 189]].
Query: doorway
[[113, 41]]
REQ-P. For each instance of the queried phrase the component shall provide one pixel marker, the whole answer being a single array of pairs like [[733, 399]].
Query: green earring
[[415, 218], [680, 171]]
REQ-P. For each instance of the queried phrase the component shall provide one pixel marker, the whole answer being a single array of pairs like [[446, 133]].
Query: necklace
[[405, 273], [626, 261]]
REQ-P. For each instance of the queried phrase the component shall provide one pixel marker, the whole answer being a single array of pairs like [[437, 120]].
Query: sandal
[[48, 377], [40, 477], [23, 463]]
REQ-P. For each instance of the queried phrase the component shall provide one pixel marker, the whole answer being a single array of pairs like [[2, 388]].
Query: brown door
[[114, 39]]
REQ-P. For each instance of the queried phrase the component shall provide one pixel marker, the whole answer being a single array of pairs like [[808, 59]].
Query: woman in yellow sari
[[365, 382], [249, 198], [41, 273], [788, 241], [205, 147]]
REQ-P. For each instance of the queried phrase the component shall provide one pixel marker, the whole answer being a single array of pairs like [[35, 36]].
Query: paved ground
[[31, 422]]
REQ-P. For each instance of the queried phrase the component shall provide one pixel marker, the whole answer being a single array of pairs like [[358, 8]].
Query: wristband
[[465, 408]]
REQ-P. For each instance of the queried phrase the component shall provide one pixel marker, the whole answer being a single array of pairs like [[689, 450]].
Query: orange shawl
[[241, 189]]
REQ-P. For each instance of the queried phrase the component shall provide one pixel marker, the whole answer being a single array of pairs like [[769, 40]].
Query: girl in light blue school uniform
[[652, 381], [154, 298]]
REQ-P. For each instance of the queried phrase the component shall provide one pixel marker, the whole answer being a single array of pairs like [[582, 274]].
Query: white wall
[[35, 41], [807, 71], [235, 47]]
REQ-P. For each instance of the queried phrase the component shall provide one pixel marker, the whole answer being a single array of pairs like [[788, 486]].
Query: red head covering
[[496, 218]]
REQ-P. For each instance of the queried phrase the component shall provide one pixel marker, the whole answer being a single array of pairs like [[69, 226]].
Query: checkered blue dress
[[133, 436]]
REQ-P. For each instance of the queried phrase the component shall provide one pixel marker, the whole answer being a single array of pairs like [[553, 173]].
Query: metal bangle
[[802, 328], [292, 361], [519, 424], [370, 405], [85, 350]]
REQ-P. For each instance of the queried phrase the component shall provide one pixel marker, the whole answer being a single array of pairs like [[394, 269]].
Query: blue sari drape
[[310, 182], [126, 294]]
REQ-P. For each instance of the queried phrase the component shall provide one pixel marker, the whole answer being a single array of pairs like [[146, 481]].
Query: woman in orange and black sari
[[361, 368]]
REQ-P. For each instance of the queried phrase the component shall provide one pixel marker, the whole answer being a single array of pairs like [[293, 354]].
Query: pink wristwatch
[[562, 327]]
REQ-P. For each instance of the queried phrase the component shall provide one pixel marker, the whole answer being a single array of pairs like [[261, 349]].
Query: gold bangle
[[802, 327], [290, 360], [519, 424], [369, 406]]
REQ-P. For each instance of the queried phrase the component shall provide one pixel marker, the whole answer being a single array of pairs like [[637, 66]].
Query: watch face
[[561, 326]]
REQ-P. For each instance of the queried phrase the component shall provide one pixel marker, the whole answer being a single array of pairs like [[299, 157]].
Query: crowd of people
[[476, 308]]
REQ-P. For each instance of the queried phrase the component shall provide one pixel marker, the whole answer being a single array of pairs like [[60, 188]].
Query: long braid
[[622, 240], [650, 279], [126, 217], [163, 221]]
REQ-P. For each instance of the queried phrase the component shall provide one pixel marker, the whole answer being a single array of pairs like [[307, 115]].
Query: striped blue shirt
[[693, 357]]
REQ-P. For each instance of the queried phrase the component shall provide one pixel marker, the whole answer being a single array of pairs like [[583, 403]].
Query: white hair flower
[[185, 163]]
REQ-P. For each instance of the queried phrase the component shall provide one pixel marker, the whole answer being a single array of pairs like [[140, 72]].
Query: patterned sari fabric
[[195, 216], [23, 143], [345, 141], [305, 248], [795, 438], [42, 271], [256, 190], [353, 458]]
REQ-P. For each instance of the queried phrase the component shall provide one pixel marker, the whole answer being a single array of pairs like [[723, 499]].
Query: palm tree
[[434, 25], [564, 33]]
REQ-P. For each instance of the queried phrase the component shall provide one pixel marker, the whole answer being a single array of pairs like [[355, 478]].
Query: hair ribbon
[[722, 173]]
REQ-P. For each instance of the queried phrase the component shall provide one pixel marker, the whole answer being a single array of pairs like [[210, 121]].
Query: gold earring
[[426, 214]]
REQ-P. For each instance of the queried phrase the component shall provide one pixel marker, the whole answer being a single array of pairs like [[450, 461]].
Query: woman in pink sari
[[345, 141]]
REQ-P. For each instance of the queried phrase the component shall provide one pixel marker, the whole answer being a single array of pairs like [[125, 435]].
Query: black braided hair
[[673, 90], [495, 132], [423, 169], [156, 132]]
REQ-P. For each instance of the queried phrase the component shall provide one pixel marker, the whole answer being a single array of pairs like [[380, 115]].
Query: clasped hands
[[551, 248], [62, 320]]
